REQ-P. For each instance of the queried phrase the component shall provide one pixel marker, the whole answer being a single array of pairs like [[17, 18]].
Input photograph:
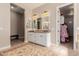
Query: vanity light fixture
[[34, 17], [12, 7], [45, 13]]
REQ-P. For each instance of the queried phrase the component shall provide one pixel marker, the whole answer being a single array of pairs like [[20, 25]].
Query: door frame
[[58, 24], [23, 20]]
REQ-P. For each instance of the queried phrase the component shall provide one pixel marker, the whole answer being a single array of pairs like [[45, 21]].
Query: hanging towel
[[62, 19]]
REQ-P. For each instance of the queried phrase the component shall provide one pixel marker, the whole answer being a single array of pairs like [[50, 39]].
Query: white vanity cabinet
[[40, 38]]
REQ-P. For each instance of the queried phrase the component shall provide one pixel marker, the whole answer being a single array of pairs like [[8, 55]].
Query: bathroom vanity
[[40, 29], [40, 37]]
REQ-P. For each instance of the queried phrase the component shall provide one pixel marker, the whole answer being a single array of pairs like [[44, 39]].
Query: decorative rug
[[28, 49]]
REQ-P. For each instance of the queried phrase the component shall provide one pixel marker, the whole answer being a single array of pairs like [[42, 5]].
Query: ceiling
[[17, 9], [30, 5], [67, 10]]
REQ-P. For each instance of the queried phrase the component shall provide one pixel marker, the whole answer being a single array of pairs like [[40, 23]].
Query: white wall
[[27, 17], [4, 25]]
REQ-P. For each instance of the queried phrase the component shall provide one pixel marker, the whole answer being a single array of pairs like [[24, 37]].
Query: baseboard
[[6, 47], [26, 41]]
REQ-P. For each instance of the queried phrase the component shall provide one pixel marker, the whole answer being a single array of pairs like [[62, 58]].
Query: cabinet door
[[37, 38], [31, 37], [42, 39]]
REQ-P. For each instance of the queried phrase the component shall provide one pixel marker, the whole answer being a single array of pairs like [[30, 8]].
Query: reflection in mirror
[[34, 24], [39, 24]]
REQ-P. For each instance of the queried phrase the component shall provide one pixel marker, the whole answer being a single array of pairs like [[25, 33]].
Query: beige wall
[[78, 18], [4, 25], [17, 23], [78, 25], [14, 21]]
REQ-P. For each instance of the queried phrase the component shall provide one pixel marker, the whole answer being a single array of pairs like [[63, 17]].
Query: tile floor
[[19, 48], [16, 42], [28, 49], [31, 49]]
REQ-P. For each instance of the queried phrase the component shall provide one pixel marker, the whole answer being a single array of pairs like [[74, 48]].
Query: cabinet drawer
[[31, 37], [39, 38]]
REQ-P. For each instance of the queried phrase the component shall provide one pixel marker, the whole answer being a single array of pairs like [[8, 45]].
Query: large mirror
[[39, 23]]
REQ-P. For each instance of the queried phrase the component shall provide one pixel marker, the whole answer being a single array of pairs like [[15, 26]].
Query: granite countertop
[[39, 31]]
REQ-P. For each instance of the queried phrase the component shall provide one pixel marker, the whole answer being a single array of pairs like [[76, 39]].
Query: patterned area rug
[[28, 49]]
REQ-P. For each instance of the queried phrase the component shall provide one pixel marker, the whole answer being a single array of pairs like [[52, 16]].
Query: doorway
[[17, 24], [65, 26]]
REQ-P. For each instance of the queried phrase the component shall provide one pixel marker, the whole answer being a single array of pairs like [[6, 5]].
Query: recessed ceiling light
[[12, 7]]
